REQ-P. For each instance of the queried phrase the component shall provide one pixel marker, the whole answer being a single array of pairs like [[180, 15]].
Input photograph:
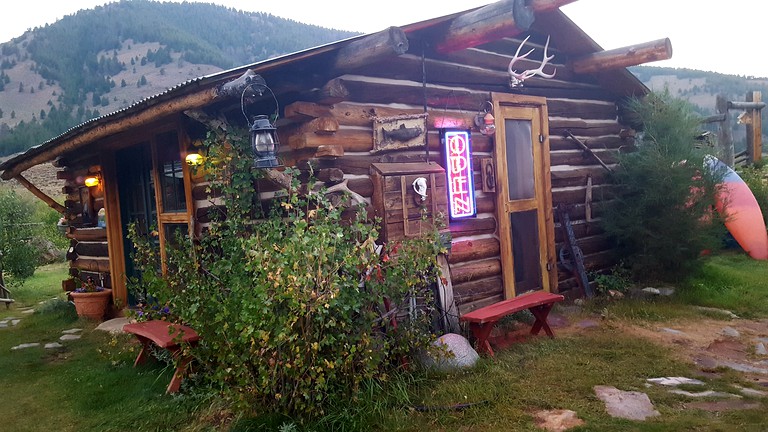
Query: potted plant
[[91, 301]]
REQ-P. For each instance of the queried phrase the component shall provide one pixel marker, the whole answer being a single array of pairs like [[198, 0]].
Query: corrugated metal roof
[[213, 80]]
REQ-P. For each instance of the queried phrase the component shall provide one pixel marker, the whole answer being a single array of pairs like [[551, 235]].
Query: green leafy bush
[[662, 218], [288, 294], [18, 258], [755, 177]]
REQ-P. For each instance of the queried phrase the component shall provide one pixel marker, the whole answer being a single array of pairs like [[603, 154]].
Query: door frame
[[505, 104], [112, 199]]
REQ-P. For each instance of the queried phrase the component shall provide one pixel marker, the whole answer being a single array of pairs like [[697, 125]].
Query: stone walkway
[[72, 334]]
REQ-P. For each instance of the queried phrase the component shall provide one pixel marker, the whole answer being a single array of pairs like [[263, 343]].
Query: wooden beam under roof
[[632, 55], [494, 21], [40, 194]]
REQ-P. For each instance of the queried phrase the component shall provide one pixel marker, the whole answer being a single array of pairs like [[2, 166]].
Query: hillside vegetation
[[100, 60]]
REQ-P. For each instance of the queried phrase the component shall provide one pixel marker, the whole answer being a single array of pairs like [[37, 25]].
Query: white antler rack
[[516, 79]]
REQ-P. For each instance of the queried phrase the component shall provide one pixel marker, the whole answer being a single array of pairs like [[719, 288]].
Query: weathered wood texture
[[332, 129], [372, 49], [496, 20], [624, 57]]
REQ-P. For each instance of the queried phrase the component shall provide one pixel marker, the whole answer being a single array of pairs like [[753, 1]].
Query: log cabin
[[432, 114]]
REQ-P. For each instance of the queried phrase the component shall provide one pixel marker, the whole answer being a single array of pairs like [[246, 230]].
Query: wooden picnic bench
[[166, 336], [481, 321]]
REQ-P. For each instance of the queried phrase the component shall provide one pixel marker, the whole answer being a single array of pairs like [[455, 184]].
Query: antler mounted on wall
[[516, 79]]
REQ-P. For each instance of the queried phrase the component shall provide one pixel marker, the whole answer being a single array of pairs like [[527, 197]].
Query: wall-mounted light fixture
[[485, 121], [194, 159], [264, 143], [92, 181]]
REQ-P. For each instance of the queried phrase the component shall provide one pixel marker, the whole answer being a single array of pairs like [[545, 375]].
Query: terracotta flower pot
[[92, 305]]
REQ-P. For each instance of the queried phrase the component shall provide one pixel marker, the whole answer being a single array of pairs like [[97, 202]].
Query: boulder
[[451, 352]]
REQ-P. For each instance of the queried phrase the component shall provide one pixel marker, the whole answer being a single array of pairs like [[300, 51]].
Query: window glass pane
[[525, 250], [519, 144], [174, 233], [171, 174]]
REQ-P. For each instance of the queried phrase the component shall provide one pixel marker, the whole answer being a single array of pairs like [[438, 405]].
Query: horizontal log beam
[[475, 270], [372, 49], [496, 20], [745, 105], [624, 57], [547, 5], [472, 250], [87, 234], [94, 265]]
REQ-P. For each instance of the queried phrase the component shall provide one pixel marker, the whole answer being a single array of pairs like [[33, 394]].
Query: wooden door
[[524, 194]]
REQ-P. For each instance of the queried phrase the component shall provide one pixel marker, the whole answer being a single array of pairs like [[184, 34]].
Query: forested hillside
[[100, 60], [701, 89]]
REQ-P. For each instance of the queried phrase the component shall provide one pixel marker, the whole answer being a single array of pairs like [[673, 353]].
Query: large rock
[[452, 352], [624, 404]]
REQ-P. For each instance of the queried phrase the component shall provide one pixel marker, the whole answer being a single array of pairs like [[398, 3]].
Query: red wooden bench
[[167, 336], [481, 321]]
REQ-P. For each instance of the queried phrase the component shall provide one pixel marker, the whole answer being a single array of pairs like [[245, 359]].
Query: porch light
[[264, 143], [91, 181], [194, 159]]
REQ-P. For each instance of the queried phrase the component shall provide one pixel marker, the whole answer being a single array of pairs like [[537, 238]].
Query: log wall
[[332, 126]]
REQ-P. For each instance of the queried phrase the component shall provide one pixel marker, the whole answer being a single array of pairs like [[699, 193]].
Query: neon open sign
[[461, 187]]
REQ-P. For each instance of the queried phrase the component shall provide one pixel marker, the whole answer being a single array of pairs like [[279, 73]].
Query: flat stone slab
[[674, 381], [26, 345], [673, 331], [53, 345], [750, 392], [28, 311], [114, 325], [69, 337], [557, 420], [730, 332], [630, 405], [706, 393], [15, 322], [72, 331], [728, 405], [760, 349], [4, 325], [725, 312]]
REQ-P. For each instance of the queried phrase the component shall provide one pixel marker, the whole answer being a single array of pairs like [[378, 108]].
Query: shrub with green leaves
[[755, 176], [288, 294], [18, 258], [662, 217]]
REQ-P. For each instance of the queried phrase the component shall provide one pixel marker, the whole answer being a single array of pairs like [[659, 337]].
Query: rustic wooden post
[[724, 138], [754, 129]]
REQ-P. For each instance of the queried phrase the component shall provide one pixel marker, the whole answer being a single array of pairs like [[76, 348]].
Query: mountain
[[701, 88], [100, 60]]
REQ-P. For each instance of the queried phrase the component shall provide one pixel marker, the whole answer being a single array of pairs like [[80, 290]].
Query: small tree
[[661, 217], [18, 258]]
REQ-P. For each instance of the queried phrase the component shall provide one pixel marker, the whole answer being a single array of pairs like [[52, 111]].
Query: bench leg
[[541, 313], [178, 375], [481, 332], [144, 353]]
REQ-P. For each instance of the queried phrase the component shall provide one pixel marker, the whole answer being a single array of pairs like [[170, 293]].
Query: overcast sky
[[706, 34]]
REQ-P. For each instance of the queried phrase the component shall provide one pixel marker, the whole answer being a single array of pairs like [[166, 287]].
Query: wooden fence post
[[754, 129], [725, 137]]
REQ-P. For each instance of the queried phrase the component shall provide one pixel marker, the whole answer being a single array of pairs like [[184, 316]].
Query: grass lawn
[[91, 385]]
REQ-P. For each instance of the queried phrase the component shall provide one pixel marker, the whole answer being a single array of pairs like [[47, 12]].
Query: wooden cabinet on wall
[[402, 211]]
